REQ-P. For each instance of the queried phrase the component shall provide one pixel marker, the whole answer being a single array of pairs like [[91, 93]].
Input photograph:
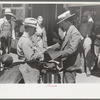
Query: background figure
[[85, 31], [6, 31], [96, 45], [16, 34], [41, 33], [40, 37], [17, 29]]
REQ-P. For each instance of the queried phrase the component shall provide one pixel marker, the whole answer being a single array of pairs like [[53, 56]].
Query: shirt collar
[[25, 34]]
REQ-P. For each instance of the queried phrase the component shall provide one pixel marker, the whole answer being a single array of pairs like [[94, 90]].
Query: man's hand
[[49, 47], [43, 50], [38, 55]]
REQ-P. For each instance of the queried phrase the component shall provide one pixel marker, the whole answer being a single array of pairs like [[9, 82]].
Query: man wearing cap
[[69, 47], [27, 51], [6, 31]]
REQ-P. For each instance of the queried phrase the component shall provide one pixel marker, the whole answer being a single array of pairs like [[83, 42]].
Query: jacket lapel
[[65, 41]]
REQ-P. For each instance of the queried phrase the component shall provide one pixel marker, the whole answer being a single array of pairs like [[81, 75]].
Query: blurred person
[[96, 45], [16, 33], [6, 30], [41, 35], [85, 31], [89, 20], [17, 29]]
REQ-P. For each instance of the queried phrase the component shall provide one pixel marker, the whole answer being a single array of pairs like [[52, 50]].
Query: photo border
[[53, 91]]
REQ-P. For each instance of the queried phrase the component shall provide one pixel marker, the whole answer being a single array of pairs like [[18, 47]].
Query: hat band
[[68, 15], [31, 23], [8, 13]]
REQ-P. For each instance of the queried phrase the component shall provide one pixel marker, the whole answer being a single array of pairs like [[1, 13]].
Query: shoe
[[88, 73]]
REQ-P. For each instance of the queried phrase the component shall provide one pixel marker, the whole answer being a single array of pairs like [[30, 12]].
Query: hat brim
[[29, 25], [65, 18], [9, 14]]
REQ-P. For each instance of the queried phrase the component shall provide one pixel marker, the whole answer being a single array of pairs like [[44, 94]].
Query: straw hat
[[30, 22], [8, 12], [64, 16]]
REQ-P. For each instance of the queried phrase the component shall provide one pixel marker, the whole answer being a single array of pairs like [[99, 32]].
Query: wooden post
[[56, 11], [80, 13], [1, 11]]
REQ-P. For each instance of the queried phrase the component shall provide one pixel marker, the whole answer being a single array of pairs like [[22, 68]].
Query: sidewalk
[[94, 78]]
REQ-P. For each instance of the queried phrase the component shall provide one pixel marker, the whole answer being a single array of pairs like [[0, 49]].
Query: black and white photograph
[[49, 43], [54, 45]]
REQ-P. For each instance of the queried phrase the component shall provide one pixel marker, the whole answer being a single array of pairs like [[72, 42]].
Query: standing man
[[27, 51], [6, 31], [69, 47]]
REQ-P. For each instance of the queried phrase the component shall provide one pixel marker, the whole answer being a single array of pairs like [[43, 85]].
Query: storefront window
[[17, 5], [30, 10], [17, 9], [7, 5]]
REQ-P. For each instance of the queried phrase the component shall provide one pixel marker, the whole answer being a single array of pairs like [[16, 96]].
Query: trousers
[[5, 44], [30, 75], [86, 61], [69, 77]]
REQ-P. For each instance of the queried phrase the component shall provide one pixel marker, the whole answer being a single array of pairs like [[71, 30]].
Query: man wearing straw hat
[[69, 47], [6, 30], [28, 52]]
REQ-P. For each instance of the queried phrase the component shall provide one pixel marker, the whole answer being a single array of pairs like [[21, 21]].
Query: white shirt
[[90, 20], [2, 20]]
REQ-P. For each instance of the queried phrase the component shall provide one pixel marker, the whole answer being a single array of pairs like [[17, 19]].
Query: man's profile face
[[32, 30], [64, 26], [61, 25]]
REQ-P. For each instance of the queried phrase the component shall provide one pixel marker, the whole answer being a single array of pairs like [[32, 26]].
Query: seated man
[[69, 47], [29, 53]]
